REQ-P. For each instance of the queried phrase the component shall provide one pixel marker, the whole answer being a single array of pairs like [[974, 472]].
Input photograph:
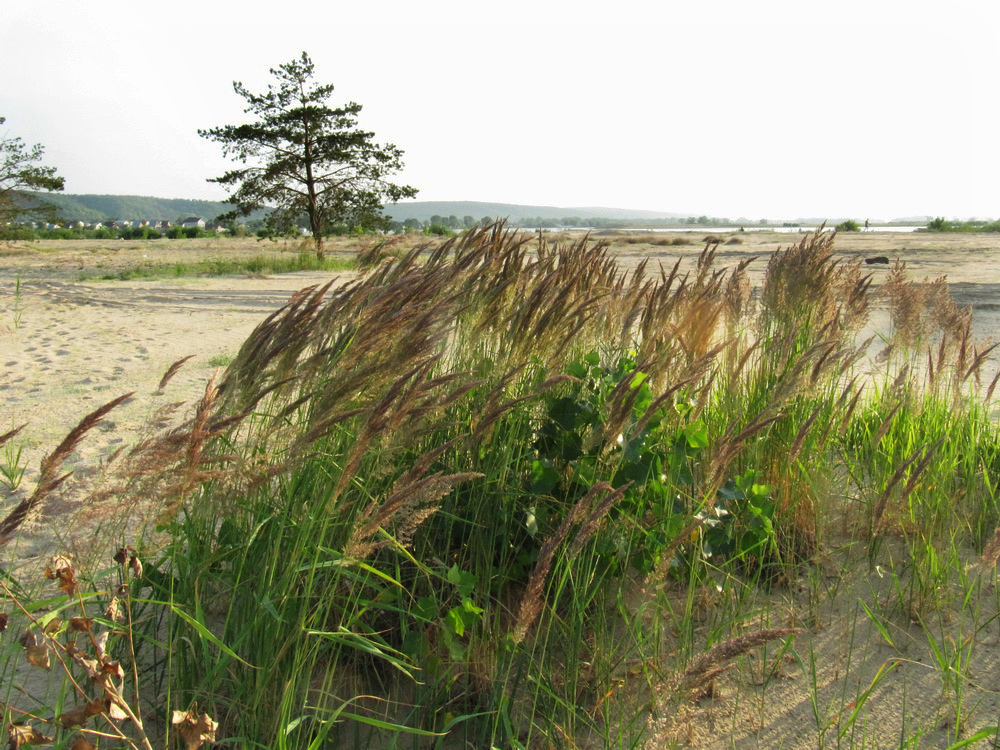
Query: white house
[[193, 221]]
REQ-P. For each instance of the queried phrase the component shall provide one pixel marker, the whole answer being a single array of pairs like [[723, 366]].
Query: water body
[[751, 228], [710, 230]]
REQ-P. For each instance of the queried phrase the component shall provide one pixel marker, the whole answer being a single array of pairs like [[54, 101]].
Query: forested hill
[[424, 210], [91, 208]]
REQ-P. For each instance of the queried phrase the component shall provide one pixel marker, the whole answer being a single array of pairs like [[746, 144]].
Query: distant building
[[192, 222]]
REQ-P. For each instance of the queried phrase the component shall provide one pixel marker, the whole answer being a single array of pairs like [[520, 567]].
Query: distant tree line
[[940, 224], [25, 232]]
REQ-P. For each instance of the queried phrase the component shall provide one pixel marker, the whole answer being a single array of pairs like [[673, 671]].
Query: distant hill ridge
[[89, 208], [424, 210]]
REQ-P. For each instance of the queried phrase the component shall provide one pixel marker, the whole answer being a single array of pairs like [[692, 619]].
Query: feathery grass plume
[[878, 512], [49, 477], [700, 670], [171, 371], [372, 253], [659, 573], [991, 552], [800, 437], [8, 435], [886, 424], [731, 443], [800, 285], [907, 302], [703, 664], [993, 385], [979, 356], [738, 294], [411, 501], [532, 599], [945, 314]]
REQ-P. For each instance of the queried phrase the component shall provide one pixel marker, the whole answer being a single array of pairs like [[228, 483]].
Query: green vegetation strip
[[260, 264]]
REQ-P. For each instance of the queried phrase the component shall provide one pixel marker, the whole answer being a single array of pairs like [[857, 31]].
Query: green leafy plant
[[11, 468]]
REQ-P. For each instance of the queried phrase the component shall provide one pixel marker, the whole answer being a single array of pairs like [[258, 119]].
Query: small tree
[[305, 158], [19, 173]]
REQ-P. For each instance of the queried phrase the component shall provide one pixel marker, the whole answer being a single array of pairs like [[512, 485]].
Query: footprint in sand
[[62, 352], [12, 363]]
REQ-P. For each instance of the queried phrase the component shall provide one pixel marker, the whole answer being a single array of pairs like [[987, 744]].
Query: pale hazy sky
[[772, 108]]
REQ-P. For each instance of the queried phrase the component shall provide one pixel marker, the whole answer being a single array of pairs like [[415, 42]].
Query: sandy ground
[[69, 345]]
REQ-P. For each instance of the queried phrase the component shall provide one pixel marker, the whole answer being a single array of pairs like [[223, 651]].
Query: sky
[[875, 109]]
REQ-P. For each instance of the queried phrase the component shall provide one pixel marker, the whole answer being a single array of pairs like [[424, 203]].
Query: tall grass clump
[[486, 494]]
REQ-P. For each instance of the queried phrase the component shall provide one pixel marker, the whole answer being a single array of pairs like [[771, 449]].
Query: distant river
[[745, 228]]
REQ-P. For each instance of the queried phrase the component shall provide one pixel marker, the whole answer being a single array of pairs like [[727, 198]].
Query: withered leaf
[[100, 643], [114, 710], [113, 611], [52, 626], [80, 714], [25, 734], [195, 729], [122, 555], [61, 569], [36, 649], [3, 621], [89, 665], [81, 624], [82, 743], [113, 669], [135, 565]]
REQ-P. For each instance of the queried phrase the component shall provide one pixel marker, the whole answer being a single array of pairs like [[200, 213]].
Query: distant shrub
[[712, 239], [940, 224], [680, 241], [440, 230], [58, 234], [193, 232], [848, 226], [15, 234], [734, 241]]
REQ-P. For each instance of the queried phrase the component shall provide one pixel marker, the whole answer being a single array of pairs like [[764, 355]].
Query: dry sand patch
[[68, 348]]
